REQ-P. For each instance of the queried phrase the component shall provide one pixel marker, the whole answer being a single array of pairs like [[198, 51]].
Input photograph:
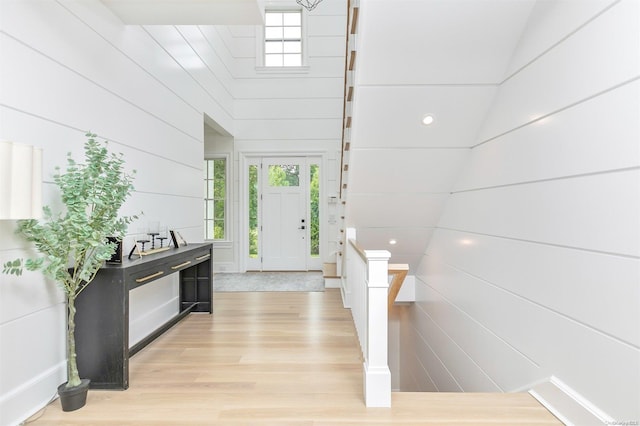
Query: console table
[[102, 316]]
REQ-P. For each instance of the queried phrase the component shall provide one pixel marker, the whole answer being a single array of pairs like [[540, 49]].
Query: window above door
[[281, 43], [283, 39]]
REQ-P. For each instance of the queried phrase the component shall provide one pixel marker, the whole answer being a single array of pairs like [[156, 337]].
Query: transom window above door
[[283, 39]]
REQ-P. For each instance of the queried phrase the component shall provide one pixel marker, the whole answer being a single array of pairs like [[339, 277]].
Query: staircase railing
[[367, 287], [399, 272]]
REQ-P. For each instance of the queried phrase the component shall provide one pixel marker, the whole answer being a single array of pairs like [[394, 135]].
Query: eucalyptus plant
[[73, 243]]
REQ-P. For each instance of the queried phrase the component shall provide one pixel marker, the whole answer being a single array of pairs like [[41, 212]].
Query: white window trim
[[261, 68], [227, 241]]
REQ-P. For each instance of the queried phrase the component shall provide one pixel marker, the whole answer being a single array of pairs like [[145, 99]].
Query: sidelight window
[[215, 203]]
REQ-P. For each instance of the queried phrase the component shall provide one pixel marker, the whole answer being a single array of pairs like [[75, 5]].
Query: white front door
[[284, 215]]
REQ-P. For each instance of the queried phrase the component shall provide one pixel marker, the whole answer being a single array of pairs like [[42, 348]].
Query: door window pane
[[284, 175]]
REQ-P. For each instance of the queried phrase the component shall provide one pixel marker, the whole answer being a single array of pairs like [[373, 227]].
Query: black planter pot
[[75, 397]]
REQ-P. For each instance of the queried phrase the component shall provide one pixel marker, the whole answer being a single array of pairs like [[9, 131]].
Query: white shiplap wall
[[69, 67], [286, 113], [533, 269]]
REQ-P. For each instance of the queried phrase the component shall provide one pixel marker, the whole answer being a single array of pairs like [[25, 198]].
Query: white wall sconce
[[20, 181]]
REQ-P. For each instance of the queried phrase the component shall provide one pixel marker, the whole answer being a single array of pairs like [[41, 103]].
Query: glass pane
[[253, 210], [220, 178], [273, 47], [314, 196], [293, 60], [274, 33], [208, 229], [220, 167], [292, 33], [273, 60], [284, 175], [218, 229], [273, 18], [292, 18], [218, 209], [292, 46], [215, 188]]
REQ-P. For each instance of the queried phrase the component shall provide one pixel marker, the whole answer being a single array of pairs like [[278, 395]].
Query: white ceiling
[[444, 57], [188, 12]]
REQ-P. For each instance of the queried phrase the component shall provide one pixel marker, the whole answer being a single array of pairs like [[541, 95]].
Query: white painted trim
[[245, 158], [567, 405], [28, 398], [282, 70], [286, 5], [220, 244], [407, 292], [224, 267], [228, 202], [377, 386], [346, 295], [332, 283], [584, 402]]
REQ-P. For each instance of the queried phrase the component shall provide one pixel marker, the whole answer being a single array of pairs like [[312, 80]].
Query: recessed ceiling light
[[392, 241], [428, 119]]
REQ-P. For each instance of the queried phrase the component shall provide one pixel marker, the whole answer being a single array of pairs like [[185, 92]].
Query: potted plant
[[74, 243]]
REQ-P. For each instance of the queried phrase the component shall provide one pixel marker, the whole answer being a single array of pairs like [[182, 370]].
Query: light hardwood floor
[[274, 359]]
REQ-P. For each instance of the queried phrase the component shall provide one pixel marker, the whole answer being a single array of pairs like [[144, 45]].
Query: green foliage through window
[[253, 211], [215, 198], [284, 175], [314, 195]]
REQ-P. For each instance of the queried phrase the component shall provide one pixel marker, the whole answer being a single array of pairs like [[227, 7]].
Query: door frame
[[249, 157]]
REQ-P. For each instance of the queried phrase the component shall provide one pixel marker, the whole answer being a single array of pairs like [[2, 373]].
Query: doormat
[[268, 281]]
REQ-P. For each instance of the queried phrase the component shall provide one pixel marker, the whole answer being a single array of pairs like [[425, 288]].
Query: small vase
[[75, 397]]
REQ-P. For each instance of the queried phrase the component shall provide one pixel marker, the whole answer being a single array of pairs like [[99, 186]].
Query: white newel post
[[377, 376]]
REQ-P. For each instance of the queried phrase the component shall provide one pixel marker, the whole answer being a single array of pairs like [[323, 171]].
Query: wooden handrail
[[399, 272], [359, 250], [349, 64]]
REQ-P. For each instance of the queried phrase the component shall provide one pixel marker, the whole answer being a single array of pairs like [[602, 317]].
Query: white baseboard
[[346, 295], [567, 405], [225, 267], [377, 386], [23, 402]]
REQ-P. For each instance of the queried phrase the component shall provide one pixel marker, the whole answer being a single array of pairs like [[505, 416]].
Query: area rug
[[268, 281]]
